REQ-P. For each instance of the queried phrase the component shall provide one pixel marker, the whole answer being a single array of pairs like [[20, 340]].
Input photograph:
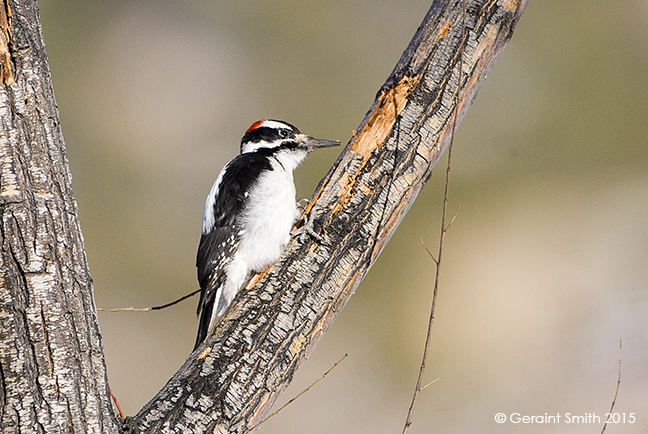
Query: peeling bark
[[52, 370], [230, 382]]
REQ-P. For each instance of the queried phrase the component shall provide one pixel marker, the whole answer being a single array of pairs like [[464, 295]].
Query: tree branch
[[52, 370], [231, 381]]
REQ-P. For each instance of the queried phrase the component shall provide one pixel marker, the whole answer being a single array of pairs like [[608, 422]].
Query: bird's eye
[[283, 133]]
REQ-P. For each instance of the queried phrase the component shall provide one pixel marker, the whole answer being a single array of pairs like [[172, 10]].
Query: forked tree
[[52, 367]]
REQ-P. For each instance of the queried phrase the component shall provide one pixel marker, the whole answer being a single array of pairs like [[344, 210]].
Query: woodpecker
[[248, 214]]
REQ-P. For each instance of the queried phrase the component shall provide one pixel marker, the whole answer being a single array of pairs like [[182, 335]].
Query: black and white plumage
[[248, 214]]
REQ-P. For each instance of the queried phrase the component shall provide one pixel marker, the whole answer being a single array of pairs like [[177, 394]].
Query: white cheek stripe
[[251, 147]]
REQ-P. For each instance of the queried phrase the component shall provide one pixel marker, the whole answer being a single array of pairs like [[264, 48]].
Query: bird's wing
[[214, 253]]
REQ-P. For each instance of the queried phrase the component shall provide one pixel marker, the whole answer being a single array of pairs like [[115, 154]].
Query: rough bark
[[52, 370], [230, 382]]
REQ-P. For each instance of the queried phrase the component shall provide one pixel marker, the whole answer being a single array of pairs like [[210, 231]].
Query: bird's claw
[[301, 203], [307, 230]]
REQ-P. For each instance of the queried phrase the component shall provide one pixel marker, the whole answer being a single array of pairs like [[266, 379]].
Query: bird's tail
[[212, 305], [203, 325]]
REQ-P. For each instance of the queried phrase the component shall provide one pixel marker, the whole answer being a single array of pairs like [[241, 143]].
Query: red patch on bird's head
[[254, 126]]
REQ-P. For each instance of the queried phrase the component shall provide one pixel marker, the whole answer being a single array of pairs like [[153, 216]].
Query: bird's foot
[[308, 230]]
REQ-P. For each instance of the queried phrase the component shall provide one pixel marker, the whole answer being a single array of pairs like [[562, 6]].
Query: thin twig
[[146, 309], [116, 403], [616, 393], [430, 383], [444, 229], [453, 217], [428, 251], [300, 394], [428, 337], [124, 309]]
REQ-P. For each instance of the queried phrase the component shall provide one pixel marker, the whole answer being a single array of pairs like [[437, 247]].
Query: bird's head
[[269, 136]]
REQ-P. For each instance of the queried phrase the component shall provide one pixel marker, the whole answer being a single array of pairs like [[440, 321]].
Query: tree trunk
[[52, 369], [230, 382]]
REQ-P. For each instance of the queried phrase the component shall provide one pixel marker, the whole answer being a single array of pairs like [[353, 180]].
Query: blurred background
[[545, 268]]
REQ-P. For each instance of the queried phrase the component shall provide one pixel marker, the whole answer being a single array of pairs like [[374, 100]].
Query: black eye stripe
[[264, 134], [256, 134], [289, 145], [292, 144]]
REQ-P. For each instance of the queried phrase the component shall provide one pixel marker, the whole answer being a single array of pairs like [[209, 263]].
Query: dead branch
[[274, 413]]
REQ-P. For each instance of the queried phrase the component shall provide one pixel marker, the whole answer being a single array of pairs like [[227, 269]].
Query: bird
[[249, 213]]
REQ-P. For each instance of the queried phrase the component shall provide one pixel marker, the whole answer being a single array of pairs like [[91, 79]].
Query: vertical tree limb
[[233, 379], [52, 370]]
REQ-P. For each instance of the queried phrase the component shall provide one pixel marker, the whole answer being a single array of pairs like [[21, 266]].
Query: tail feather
[[203, 324], [213, 303]]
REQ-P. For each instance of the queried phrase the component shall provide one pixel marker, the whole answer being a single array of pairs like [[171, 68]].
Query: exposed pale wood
[[232, 380], [52, 371]]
